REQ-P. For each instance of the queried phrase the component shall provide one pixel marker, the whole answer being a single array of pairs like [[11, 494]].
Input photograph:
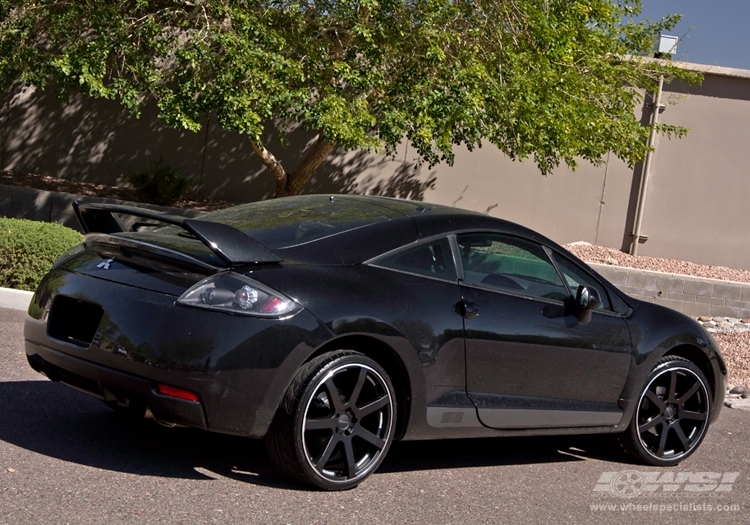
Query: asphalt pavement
[[66, 458]]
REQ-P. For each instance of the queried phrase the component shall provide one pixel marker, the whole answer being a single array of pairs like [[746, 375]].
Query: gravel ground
[[614, 257], [736, 351], [735, 346]]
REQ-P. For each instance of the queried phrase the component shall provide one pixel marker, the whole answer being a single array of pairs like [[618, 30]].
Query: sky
[[720, 32]]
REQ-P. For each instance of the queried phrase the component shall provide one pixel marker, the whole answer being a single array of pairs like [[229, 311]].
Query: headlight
[[237, 294]]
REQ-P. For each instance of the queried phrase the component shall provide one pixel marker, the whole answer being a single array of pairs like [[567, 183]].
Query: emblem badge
[[105, 264]]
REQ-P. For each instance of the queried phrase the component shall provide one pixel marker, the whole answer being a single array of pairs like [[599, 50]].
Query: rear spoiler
[[233, 246]]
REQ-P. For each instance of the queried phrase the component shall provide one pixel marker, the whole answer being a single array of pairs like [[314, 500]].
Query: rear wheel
[[336, 422], [672, 415]]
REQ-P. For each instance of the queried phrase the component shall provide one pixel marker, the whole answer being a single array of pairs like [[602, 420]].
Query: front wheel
[[336, 422], [672, 416]]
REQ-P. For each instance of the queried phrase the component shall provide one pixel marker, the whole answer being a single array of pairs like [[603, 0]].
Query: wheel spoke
[[655, 399], [697, 416], [350, 462], [662, 440], [372, 407], [358, 387], [687, 395], [368, 436], [672, 386], [333, 395], [648, 425], [320, 423], [681, 435], [322, 459]]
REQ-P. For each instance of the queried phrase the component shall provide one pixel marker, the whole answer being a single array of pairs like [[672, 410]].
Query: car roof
[[349, 229]]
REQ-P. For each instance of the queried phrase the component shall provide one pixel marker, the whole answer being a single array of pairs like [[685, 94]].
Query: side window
[[430, 259], [511, 264], [575, 276]]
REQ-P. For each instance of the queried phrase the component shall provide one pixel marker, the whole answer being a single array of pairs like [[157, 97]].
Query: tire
[[336, 422], [672, 416]]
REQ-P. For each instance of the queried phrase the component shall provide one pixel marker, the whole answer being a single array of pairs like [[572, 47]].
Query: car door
[[422, 281], [530, 362]]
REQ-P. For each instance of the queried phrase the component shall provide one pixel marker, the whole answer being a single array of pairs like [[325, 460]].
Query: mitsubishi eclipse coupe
[[333, 325]]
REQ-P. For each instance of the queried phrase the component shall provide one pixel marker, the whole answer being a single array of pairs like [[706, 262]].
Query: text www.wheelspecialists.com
[[664, 507]]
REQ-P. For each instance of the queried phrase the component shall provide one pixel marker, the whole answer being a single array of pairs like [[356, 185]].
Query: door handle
[[466, 309]]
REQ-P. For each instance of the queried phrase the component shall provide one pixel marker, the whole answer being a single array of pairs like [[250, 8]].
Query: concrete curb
[[15, 299], [742, 404]]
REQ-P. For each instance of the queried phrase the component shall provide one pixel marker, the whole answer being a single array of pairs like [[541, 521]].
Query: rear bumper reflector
[[179, 393]]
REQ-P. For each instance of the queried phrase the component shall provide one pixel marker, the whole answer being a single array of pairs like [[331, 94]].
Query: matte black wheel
[[672, 415], [336, 422]]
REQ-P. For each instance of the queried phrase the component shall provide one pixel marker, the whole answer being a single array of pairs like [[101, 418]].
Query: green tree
[[556, 80]]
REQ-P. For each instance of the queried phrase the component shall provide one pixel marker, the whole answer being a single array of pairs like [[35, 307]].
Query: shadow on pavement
[[59, 422]]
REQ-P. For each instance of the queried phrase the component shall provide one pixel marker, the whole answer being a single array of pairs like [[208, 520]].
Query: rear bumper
[[112, 385], [239, 367]]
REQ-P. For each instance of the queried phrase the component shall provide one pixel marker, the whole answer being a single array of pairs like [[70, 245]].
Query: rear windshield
[[284, 223]]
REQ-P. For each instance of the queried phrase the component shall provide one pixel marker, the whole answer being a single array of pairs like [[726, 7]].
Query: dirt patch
[[48, 183]]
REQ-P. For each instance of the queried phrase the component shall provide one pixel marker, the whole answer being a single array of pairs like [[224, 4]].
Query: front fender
[[658, 331]]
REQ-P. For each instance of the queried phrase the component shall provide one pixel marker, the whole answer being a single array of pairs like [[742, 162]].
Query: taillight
[[234, 293], [179, 393]]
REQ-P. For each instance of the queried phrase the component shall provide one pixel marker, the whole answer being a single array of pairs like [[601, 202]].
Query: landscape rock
[[723, 325], [717, 319], [738, 390]]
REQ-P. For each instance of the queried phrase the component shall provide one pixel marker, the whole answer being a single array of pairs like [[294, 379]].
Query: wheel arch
[[699, 358], [388, 358]]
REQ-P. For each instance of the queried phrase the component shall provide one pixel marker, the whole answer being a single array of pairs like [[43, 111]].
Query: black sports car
[[332, 325]]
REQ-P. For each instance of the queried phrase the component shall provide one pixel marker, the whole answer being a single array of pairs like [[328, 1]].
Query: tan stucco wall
[[699, 192], [696, 207]]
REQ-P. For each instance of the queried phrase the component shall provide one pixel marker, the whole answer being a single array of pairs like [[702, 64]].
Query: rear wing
[[233, 246]]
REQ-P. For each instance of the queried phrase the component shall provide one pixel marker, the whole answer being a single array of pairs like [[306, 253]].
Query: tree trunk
[[273, 165], [294, 183]]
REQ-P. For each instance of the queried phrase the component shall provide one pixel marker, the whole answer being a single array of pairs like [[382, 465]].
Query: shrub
[[160, 184], [28, 249]]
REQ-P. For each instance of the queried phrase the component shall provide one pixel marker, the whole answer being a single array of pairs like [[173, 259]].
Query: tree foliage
[[555, 80]]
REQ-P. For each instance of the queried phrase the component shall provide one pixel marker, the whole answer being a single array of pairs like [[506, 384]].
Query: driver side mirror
[[587, 300]]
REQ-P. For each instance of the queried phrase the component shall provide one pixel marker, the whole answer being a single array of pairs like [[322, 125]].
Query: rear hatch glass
[[284, 223]]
